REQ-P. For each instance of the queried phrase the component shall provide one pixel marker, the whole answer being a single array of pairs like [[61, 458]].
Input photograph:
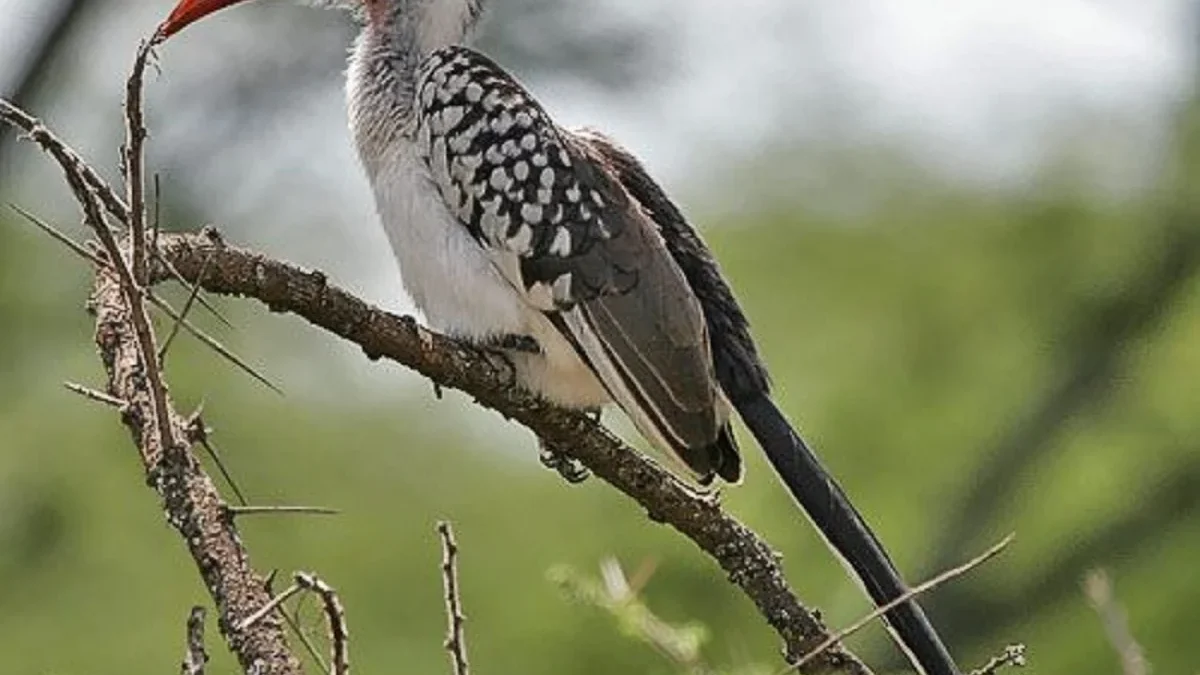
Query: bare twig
[[1098, 588], [195, 658], [133, 159], [455, 643], [1012, 656], [913, 592], [335, 618]]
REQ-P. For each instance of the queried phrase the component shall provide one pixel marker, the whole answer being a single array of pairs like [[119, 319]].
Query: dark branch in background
[[1175, 498], [1101, 339], [1140, 309], [1097, 586], [455, 644]]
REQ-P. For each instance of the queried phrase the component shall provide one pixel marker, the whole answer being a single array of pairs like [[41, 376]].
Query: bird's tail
[[846, 532]]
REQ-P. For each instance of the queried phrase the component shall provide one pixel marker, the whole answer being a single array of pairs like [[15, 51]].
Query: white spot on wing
[[561, 245]]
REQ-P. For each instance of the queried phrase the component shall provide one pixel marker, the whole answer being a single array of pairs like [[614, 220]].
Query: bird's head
[[430, 23]]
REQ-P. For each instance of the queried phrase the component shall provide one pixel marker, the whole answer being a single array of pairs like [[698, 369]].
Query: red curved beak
[[190, 11]]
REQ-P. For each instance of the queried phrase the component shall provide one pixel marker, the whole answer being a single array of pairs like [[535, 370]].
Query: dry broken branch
[[455, 644], [335, 619]]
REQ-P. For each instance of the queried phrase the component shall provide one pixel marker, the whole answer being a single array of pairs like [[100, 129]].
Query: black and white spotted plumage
[[518, 182], [563, 230]]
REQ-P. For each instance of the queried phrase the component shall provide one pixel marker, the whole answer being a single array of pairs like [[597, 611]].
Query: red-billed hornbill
[[557, 247]]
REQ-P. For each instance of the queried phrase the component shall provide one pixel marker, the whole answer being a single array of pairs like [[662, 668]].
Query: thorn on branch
[[212, 343], [177, 276], [187, 306], [198, 432], [96, 395], [195, 658], [247, 510], [455, 643], [60, 236]]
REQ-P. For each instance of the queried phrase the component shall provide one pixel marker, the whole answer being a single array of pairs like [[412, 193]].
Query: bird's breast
[[457, 284]]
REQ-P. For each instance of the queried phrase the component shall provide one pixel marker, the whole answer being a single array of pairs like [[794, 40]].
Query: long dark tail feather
[[845, 531]]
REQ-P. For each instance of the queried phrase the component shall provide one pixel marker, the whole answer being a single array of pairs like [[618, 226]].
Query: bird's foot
[[570, 469], [524, 344]]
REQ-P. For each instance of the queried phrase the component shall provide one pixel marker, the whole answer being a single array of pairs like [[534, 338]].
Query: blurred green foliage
[[1045, 343]]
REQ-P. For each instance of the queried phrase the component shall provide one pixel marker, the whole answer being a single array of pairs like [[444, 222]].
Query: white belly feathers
[[459, 289]]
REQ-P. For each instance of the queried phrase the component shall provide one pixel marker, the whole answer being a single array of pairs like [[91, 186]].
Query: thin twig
[[913, 592], [335, 617], [133, 157], [125, 339], [1098, 588], [1012, 656], [455, 643], [98, 396], [195, 658]]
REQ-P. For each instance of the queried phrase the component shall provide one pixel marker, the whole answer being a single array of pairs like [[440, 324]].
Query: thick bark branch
[[749, 562], [193, 505]]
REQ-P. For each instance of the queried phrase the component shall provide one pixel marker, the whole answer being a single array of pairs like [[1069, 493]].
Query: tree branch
[[749, 562]]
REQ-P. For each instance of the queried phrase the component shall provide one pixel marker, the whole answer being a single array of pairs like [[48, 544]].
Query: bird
[[556, 247]]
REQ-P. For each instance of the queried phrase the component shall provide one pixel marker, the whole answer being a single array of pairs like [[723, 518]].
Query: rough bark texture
[[191, 501]]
